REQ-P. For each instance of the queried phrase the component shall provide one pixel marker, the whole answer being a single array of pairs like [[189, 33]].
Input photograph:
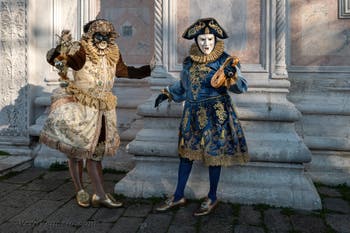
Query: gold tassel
[[182, 142], [222, 134], [202, 141]]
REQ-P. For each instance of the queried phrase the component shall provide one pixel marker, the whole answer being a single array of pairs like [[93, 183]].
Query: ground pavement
[[39, 200]]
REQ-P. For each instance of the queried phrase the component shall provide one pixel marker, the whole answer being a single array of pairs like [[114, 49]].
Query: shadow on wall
[[15, 118]]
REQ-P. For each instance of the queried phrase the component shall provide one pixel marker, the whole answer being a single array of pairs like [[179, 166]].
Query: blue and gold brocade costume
[[210, 129]]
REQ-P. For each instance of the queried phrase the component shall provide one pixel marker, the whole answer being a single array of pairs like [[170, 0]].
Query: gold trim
[[216, 27], [210, 160], [108, 101], [74, 152], [112, 52], [193, 31], [199, 57], [167, 93]]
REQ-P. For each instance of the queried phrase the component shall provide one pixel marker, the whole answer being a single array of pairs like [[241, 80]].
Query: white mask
[[206, 43]]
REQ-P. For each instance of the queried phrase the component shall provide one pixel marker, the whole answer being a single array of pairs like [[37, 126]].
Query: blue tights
[[185, 168]]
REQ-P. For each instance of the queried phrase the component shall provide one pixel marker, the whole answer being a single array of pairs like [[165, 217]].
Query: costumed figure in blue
[[210, 130], [82, 122]]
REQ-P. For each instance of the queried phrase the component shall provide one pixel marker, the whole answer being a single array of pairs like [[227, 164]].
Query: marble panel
[[318, 37], [240, 19], [134, 22]]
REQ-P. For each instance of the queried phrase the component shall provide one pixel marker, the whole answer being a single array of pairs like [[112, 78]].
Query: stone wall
[[14, 102], [319, 71]]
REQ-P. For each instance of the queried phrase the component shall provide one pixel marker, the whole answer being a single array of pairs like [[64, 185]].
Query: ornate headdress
[[100, 25], [205, 26], [104, 27]]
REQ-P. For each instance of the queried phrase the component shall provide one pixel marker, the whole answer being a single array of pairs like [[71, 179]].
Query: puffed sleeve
[[75, 58], [125, 71], [177, 91], [241, 84]]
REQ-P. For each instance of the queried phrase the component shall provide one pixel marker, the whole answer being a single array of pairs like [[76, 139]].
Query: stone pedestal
[[275, 175]]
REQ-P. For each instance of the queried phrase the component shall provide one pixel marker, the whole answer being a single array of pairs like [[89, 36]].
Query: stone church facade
[[296, 115]]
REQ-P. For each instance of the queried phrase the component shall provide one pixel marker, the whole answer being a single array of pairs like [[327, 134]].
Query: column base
[[275, 184]]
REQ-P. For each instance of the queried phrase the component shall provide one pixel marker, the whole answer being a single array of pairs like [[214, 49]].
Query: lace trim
[[199, 57], [74, 152], [107, 102], [111, 52]]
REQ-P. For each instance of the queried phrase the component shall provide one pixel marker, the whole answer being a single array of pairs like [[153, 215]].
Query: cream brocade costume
[[75, 121]]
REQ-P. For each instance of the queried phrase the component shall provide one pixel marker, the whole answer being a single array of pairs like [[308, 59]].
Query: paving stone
[[113, 177], [220, 220], [223, 210], [15, 228], [6, 212], [95, 228], [21, 198], [182, 229], [276, 222], [339, 222], [71, 214], [107, 215], [216, 223], [138, 210], [308, 224], [45, 185], [54, 227], [63, 193], [26, 176], [127, 225], [248, 229], [57, 175], [14, 164], [7, 188], [37, 212], [330, 192], [249, 216], [155, 223], [184, 216], [336, 204]]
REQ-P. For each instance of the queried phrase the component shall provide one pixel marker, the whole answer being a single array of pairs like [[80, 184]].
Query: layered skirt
[[210, 131], [78, 130]]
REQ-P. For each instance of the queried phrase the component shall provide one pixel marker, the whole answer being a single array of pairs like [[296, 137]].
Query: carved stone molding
[[158, 31], [13, 67], [280, 62], [344, 9]]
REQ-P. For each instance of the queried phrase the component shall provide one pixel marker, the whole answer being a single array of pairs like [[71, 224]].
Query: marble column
[[275, 175], [14, 88]]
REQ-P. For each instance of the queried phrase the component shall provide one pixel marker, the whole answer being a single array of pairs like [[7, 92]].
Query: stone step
[[14, 163]]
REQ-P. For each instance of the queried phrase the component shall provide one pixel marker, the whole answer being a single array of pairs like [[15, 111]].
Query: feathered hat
[[205, 26]]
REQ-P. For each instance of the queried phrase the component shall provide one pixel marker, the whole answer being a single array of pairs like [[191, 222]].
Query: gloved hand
[[161, 97], [229, 70]]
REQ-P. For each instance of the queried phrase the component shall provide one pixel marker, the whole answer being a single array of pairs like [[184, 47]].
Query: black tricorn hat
[[205, 26]]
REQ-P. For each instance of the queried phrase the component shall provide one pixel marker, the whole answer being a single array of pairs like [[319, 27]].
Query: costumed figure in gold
[[210, 130], [82, 122]]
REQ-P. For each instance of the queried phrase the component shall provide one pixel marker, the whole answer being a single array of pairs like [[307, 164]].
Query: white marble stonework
[[296, 122], [319, 72], [14, 88]]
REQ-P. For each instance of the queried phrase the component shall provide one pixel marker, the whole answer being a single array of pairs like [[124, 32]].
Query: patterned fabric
[[209, 130], [75, 120]]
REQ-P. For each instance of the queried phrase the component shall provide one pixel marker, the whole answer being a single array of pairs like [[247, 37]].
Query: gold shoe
[[108, 202], [170, 204], [83, 198], [206, 207]]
